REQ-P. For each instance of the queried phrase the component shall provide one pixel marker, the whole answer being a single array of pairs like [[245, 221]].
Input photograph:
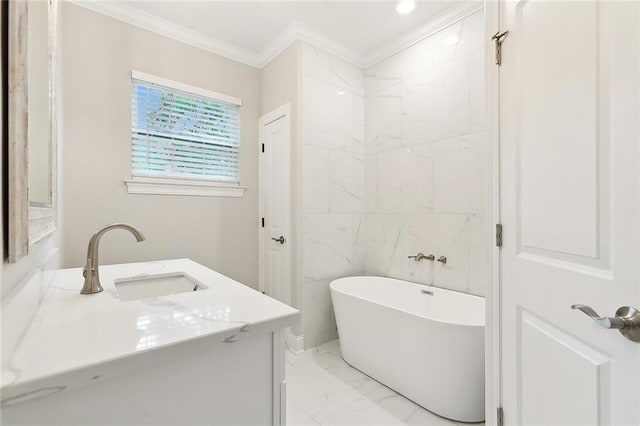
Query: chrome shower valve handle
[[418, 257]]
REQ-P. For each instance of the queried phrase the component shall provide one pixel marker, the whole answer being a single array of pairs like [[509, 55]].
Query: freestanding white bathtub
[[429, 348]]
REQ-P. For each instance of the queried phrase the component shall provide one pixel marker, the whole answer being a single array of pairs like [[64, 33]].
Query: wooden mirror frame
[[28, 225]]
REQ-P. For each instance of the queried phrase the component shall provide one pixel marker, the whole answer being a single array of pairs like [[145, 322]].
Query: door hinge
[[500, 417], [262, 147], [499, 39], [498, 235], [263, 222]]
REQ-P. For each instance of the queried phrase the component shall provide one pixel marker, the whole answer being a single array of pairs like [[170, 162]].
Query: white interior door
[[275, 205], [569, 154]]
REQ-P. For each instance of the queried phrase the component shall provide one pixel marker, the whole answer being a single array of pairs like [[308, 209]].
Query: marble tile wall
[[393, 165], [333, 184], [424, 160]]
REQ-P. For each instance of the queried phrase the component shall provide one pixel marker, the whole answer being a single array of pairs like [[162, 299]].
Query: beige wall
[[280, 82], [280, 85], [99, 54]]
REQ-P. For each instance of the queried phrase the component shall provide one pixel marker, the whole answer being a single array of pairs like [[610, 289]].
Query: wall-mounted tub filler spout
[[442, 259], [418, 257], [91, 272]]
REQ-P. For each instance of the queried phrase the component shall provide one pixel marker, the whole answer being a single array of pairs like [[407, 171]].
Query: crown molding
[[147, 21], [294, 32], [433, 25], [280, 43], [297, 31]]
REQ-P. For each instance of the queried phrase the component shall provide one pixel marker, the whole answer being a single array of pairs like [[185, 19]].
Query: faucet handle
[[442, 259], [418, 257], [88, 267]]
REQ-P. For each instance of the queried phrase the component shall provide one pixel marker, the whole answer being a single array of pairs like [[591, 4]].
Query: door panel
[[569, 195], [581, 375], [558, 205], [275, 200]]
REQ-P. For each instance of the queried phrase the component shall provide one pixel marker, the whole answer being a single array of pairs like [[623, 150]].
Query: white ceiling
[[358, 28], [361, 26]]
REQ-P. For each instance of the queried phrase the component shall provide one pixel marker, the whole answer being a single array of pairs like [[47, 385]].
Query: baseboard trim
[[294, 343]]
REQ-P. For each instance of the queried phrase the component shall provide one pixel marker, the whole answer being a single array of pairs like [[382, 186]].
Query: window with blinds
[[183, 132]]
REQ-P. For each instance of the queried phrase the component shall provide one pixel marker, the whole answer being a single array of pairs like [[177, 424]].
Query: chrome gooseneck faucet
[[91, 271]]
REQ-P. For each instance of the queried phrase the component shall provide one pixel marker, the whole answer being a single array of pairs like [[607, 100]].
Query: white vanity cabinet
[[209, 357]]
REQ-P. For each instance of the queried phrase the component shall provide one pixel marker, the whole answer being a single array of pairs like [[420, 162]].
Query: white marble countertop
[[71, 331]]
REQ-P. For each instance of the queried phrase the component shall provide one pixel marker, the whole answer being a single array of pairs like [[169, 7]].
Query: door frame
[[282, 112], [493, 342]]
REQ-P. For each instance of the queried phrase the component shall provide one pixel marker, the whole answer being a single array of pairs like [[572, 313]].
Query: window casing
[[184, 140]]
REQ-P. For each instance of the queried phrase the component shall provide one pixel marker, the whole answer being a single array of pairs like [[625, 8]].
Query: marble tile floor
[[324, 390]]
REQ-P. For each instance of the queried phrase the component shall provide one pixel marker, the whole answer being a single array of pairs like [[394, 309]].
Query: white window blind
[[179, 134]]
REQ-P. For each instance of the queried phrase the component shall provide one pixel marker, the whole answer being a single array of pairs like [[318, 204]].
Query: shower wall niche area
[[393, 164]]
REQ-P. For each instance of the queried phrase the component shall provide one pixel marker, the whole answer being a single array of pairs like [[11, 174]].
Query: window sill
[[159, 186]]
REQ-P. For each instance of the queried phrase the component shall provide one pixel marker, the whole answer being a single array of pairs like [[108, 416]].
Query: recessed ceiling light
[[405, 6], [340, 92], [451, 40]]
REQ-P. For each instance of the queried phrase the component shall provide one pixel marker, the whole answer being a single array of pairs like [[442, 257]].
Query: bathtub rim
[[395, 308]]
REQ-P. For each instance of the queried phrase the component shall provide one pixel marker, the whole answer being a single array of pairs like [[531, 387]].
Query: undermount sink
[[156, 285]]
